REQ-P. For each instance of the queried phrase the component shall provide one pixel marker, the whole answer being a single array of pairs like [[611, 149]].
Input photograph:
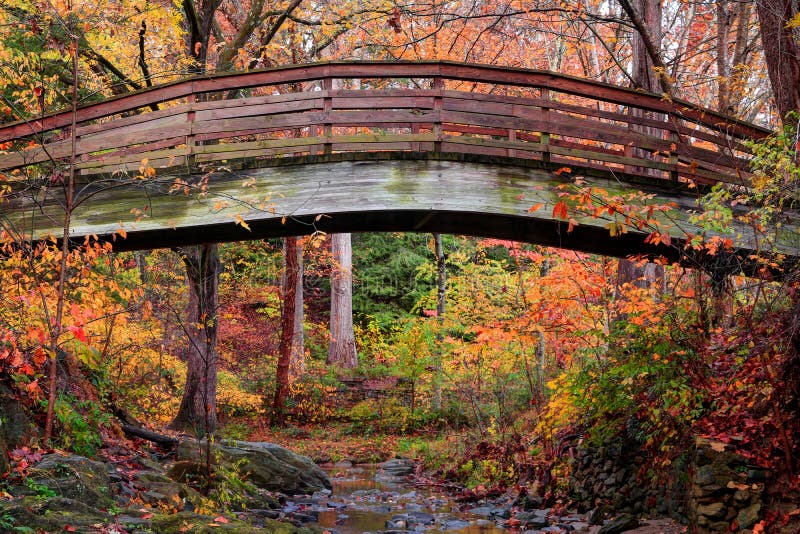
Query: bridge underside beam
[[347, 195]]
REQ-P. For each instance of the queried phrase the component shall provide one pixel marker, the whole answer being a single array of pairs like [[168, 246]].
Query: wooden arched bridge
[[375, 146]]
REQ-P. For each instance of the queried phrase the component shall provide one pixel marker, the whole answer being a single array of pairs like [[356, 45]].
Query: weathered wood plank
[[482, 198]]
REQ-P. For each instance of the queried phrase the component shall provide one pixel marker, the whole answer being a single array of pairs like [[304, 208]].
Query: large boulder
[[265, 465], [72, 477], [54, 514]]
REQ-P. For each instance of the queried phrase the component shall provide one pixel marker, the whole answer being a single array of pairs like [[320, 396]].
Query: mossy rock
[[264, 465], [74, 477], [54, 514], [203, 524]]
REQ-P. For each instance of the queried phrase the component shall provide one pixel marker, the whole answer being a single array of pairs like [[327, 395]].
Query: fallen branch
[[149, 435]]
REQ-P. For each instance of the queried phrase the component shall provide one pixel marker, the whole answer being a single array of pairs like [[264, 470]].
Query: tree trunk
[[198, 409], [342, 348], [441, 292], [297, 364], [724, 22], [781, 52], [287, 330], [642, 69], [645, 78]]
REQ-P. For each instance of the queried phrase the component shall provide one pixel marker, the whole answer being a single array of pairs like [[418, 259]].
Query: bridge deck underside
[[347, 195]]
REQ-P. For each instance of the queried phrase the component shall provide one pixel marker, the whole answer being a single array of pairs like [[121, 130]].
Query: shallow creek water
[[360, 503]]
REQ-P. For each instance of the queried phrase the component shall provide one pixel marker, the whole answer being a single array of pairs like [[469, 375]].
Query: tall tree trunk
[[642, 71], [294, 285], [781, 52], [198, 409], [441, 293], [342, 347], [287, 330], [724, 23], [644, 77]]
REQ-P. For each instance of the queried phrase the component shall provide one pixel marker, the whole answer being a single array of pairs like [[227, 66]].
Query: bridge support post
[[673, 156], [545, 137], [190, 140], [438, 86], [327, 128]]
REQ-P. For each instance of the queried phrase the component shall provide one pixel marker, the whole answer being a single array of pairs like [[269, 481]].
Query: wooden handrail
[[672, 140], [385, 69]]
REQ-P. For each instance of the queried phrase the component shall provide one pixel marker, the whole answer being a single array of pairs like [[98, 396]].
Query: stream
[[383, 499], [366, 498]]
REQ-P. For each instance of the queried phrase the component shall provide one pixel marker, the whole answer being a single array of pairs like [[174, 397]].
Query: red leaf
[[79, 333]]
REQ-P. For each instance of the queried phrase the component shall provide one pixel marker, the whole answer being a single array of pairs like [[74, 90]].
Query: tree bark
[[441, 293], [294, 285], [724, 23], [781, 52], [342, 347], [645, 49], [287, 331], [198, 409]]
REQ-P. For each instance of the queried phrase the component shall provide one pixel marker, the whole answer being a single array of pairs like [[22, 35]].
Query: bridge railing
[[435, 107]]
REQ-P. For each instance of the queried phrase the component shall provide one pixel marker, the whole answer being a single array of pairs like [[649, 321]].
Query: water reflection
[[360, 503]]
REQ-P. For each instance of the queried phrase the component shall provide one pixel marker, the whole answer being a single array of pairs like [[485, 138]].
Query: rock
[[749, 516], [533, 519], [420, 518], [202, 524], [159, 490], [396, 467], [74, 477], [621, 523], [265, 465], [705, 476], [455, 524], [741, 497], [714, 510], [501, 512], [481, 510], [53, 514], [398, 522]]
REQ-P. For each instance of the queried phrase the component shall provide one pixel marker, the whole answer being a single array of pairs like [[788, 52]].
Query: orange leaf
[[560, 210], [39, 356], [220, 519], [563, 170], [535, 207]]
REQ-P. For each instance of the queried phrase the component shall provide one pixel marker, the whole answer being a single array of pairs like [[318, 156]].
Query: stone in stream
[[533, 519], [621, 523], [394, 469], [455, 524]]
